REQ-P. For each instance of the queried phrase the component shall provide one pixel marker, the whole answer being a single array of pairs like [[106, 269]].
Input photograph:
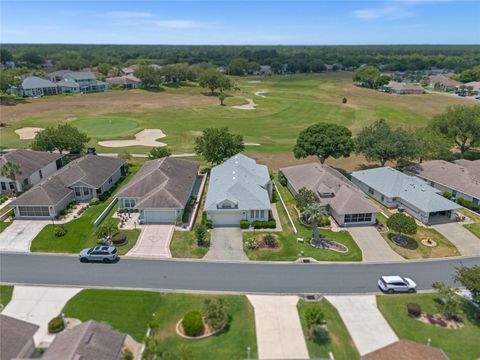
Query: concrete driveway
[[38, 305], [466, 243], [226, 244], [278, 327], [365, 323], [19, 235], [373, 245], [154, 242]]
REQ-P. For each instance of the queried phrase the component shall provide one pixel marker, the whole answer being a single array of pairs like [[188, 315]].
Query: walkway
[[19, 235], [365, 323], [154, 242], [373, 245], [279, 331], [226, 244], [39, 305], [465, 242]]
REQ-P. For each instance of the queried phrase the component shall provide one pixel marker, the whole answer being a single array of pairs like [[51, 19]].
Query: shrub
[[215, 313], [60, 231], [252, 243], [314, 315], [192, 323], [95, 201], [304, 198], [127, 355], [270, 240], [344, 100], [209, 224], [201, 234], [325, 221], [56, 325], [105, 230], [244, 224], [270, 224], [282, 179], [274, 196], [119, 238], [468, 204], [447, 194], [414, 310]]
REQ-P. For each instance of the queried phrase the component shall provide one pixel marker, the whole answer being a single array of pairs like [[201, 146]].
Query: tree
[[367, 76], [215, 313], [45, 140], [313, 318], [450, 303], [277, 67], [379, 142], [461, 124], [5, 55], [159, 152], [104, 68], [71, 60], [149, 76], [105, 230], [317, 66], [222, 96], [469, 75], [324, 140], [218, 144], [469, 277], [402, 224], [10, 170], [237, 67], [63, 137], [214, 79], [201, 234], [314, 213], [432, 145], [32, 58], [304, 198]]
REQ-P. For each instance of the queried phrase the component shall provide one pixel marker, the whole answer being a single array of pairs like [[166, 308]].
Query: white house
[[239, 189]]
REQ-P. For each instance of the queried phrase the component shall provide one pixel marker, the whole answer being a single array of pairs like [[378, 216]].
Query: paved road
[[217, 276]]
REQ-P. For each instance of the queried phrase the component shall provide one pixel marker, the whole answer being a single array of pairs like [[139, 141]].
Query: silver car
[[106, 254], [391, 284]]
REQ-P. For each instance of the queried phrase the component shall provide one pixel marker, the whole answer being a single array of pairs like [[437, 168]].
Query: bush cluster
[[56, 325], [95, 201], [282, 179], [270, 224], [215, 313], [468, 204], [244, 224], [60, 231], [207, 223], [447, 194], [192, 323], [119, 238], [201, 234], [414, 310]]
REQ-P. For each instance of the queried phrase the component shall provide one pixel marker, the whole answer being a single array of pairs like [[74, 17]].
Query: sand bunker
[[250, 106], [28, 133], [251, 144], [261, 92], [254, 81], [146, 137]]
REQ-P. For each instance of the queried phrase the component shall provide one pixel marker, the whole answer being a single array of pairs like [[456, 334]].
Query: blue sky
[[241, 22]]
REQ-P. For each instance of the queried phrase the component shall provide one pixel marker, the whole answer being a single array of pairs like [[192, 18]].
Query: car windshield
[[89, 251], [114, 251]]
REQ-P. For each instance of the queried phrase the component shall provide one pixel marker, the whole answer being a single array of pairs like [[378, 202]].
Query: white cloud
[[129, 15], [386, 12], [178, 24]]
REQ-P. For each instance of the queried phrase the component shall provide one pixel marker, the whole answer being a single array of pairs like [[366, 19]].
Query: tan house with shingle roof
[[443, 82], [346, 204], [160, 190], [16, 338], [402, 88], [461, 177], [406, 350]]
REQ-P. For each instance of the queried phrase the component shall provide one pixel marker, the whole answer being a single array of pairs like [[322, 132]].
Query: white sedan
[[391, 284]]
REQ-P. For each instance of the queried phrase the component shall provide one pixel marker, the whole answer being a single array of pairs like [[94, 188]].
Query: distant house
[[16, 338], [33, 86], [406, 349], [265, 70], [90, 340], [160, 190], [80, 180], [239, 189], [86, 81], [461, 177], [345, 202], [129, 70], [474, 85], [127, 81], [58, 75], [443, 82], [34, 167], [395, 189], [68, 87], [402, 88]]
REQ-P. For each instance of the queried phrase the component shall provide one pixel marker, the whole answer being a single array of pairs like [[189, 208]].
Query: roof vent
[[88, 338]]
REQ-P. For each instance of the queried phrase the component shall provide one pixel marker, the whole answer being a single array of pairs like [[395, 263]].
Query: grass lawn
[[4, 225], [6, 292], [184, 245], [340, 342], [461, 344], [289, 248], [93, 126], [474, 228], [81, 231]]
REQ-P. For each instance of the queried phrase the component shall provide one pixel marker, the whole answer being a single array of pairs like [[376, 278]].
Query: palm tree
[[313, 214], [11, 170]]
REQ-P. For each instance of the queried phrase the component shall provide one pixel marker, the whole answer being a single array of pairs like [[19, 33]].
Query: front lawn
[[4, 225], [290, 249], [6, 292], [474, 228], [339, 343], [461, 344], [184, 245]]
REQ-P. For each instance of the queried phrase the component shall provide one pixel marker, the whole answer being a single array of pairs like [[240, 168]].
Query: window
[[371, 191], [110, 180], [40, 174], [33, 211], [129, 203], [12, 185], [226, 205], [25, 182], [356, 218], [432, 184], [262, 213], [4, 186], [257, 213], [383, 198], [252, 214], [86, 191], [475, 201], [77, 192]]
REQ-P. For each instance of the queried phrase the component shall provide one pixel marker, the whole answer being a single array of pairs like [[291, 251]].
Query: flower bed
[[323, 243], [207, 331]]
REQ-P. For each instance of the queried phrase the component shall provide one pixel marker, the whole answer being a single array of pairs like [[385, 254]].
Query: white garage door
[[226, 219], [160, 216]]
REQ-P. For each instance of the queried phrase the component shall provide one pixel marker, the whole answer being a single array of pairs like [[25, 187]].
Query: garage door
[[160, 216], [226, 219]]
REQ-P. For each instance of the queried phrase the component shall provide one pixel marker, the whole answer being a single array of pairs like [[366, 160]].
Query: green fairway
[[105, 126]]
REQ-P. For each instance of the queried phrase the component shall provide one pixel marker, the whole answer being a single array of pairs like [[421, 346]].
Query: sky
[[229, 22]]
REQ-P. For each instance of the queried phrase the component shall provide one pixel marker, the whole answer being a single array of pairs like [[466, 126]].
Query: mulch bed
[[328, 244]]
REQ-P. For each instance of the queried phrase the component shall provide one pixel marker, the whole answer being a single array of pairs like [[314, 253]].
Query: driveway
[[154, 242], [19, 235], [466, 243], [38, 305], [278, 327], [226, 244], [365, 323], [373, 245]]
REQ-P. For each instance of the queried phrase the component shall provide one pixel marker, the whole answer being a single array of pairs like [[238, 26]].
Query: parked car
[[391, 284], [104, 254]]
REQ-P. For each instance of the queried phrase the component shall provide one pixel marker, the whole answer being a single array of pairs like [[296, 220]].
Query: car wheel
[[83, 260], [411, 290], [106, 261], [390, 291]]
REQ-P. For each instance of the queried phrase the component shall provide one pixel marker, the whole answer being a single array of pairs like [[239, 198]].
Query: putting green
[[105, 125]]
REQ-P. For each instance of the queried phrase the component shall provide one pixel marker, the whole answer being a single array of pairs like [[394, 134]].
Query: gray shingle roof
[[88, 341], [67, 83], [240, 180], [347, 199], [81, 75], [124, 80], [393, 183], [14, 335], [34, 82], [162, 183], [30, 161]]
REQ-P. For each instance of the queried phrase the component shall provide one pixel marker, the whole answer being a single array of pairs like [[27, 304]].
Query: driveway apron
[[373, 245], [154, 242], [19, 235], [226, 244], [465, 242]]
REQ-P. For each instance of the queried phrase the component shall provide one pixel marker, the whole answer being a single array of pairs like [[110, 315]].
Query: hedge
[[192, 323], [271, 224], [468, 204], [244, 224], [56, 325]]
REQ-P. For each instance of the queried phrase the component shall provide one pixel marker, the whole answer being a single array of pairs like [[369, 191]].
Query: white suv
[[391, 284]]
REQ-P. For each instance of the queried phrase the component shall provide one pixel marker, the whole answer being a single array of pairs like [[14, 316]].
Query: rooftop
[[30, 161], [34, 82], [406, 350], [14, 335]]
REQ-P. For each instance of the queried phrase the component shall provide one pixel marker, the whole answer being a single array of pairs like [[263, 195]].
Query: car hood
[[411, 282], [84, 252]]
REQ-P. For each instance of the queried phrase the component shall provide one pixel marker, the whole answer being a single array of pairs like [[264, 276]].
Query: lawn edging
[[105, 212], [286, 210]]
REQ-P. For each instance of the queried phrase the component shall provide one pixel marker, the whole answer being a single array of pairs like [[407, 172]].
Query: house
[[402, 88], [461, 178], [80, 180], [86, 81], [474, 87], [130, 70], [68, 87], [90, 340], [265, 70], [127, 81], [406, 350], [443, 82], [239, 189], [34, 167], [33, 86], [58, 75], [160, 190], [395, 189], [16, 338], [346, 203]]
